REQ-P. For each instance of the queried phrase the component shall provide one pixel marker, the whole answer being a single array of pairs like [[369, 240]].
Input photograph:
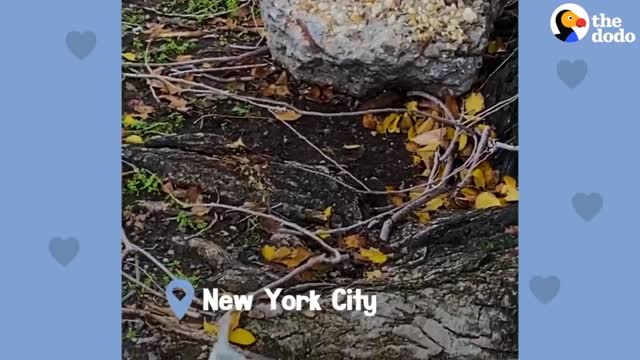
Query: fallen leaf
[[486, 200], [375, 274], [176, 102], [129, 56], [268, 252], [297, 257], [425, 126], [241, 337], [286, 115], [237, 144], [211, 329], [327, 212], [269, 225], [397, 201], [512, 193], [128, 120], [462, 141], [369, 121], [435, 203], [406, 122], [423, 216], [200, 210], [510, 181], [478, 178], [474, 103], [412, 106], [354, 241], [133, 139], [373, 255], [452, 105], [430, 137], [142, 111]]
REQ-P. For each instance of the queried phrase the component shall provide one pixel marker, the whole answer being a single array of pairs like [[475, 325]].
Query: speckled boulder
[[364, 46]]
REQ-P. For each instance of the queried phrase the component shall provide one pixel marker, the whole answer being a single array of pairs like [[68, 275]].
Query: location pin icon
[[180, 306]]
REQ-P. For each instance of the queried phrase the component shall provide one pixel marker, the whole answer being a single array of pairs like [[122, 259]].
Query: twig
[[303, 138], [259, 51], [337, 257], [129, 246]]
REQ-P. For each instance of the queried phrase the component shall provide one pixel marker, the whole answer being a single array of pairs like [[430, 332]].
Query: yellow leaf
[[281, 253], [509, 181], [423, 216], [478, 178], [470, 194], [397, 201], [412, 106], [487, 200], [128, 120], [268, 252], [450, 133], [354, 241], [133, 139], [129, 56], [383, 127], [235, 319], [425, 126], [406, 123], [429, 148], [435, 203], [375, 274], [462, 141], [474, 103], [211, 329], [373, 255], [323, 234], [411, 133], [512, 194], [286, 115], [298, 255], [241, 336], [393, 126], [327, 212]]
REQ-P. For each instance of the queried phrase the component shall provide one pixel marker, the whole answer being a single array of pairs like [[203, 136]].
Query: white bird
[[222, 349]]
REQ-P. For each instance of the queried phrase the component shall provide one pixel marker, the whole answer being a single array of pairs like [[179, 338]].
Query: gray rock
[[362, 47]]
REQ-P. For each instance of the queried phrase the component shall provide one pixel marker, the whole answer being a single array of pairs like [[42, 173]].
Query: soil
[[379, 160]]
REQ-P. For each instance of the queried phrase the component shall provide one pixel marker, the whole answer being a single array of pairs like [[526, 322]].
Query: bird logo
[[569, 23]]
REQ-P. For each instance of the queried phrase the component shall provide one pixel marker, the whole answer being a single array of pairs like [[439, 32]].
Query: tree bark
[[451, 288]]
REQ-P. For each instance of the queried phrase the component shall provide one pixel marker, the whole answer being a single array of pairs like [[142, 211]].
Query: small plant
[[143, 181], [172, 48], [241, 109], [175, 267], [132, 335], [232, 5], [131, 18], [185, 222]]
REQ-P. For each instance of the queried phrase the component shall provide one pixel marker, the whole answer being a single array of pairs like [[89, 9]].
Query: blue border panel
[[60, 177], [581, 140]]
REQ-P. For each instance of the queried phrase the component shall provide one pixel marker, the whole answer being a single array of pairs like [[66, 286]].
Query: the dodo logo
[[570, 23]]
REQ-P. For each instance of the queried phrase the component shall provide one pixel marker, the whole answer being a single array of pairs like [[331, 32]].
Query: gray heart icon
[[572, 73], [64, 250], [81, 44], [587, 206], [545, 289]]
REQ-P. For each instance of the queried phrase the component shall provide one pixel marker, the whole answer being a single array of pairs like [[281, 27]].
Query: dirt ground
[[182, 130]]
